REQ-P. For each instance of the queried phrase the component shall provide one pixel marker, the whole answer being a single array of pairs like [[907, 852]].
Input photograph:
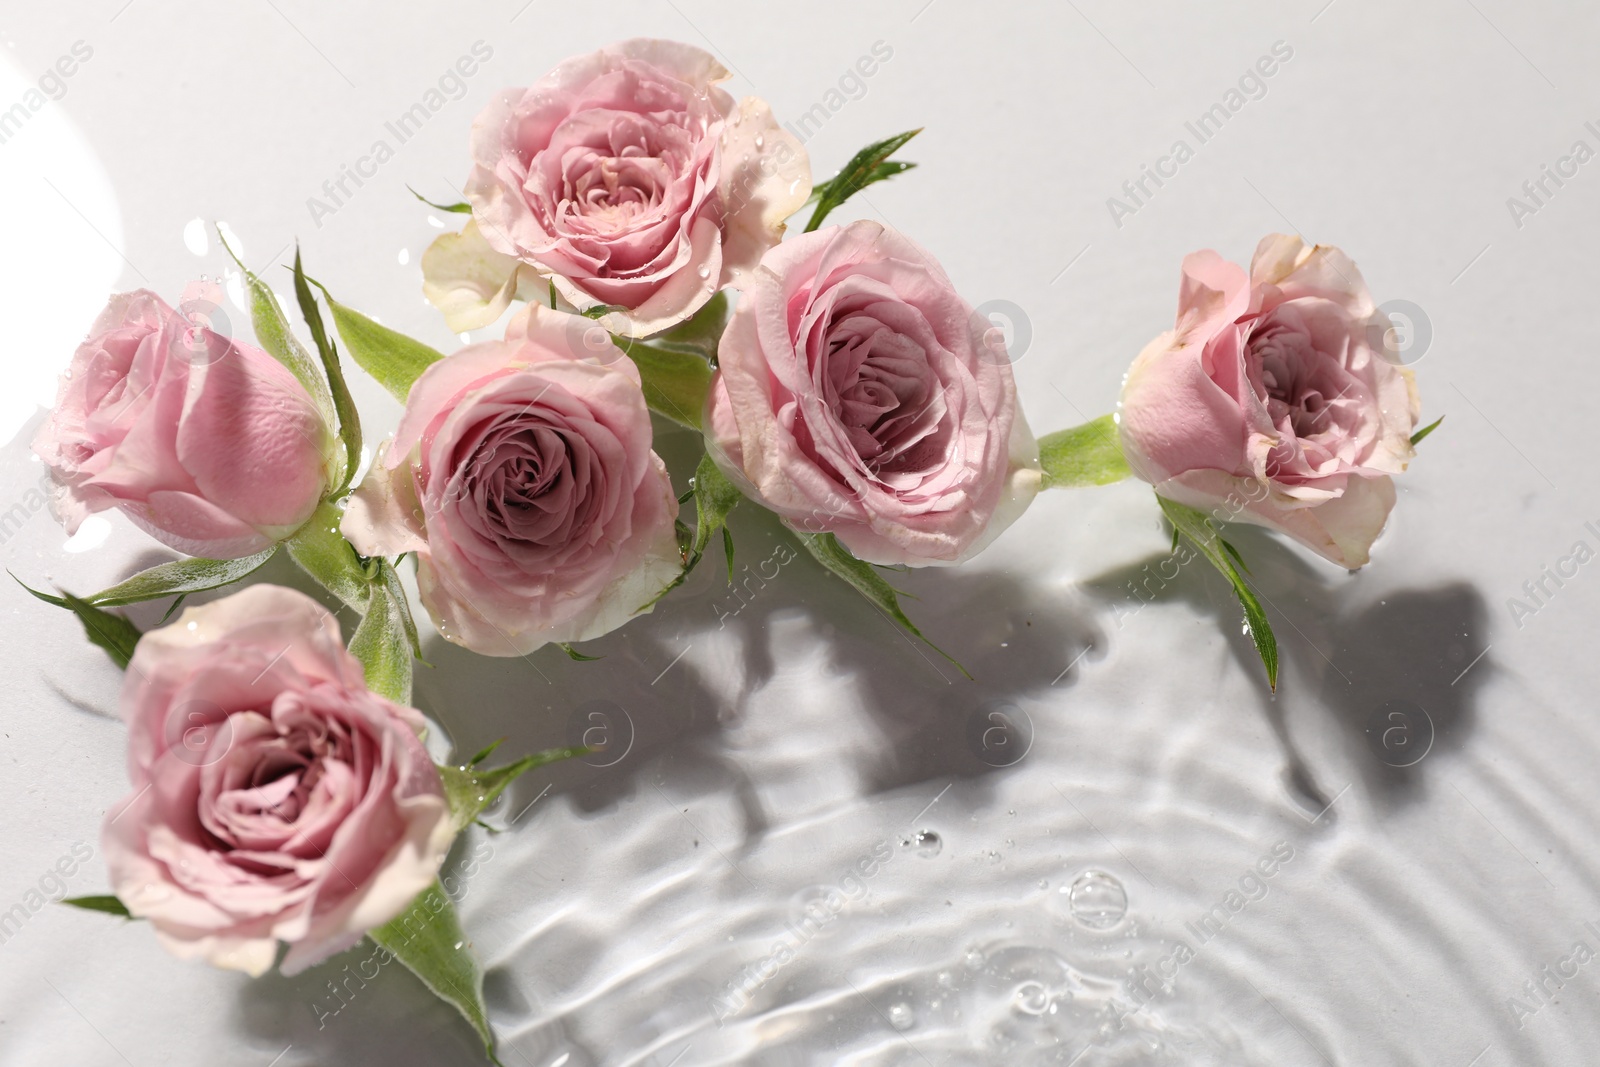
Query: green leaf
[[458, 209], [575, 655], [343, 405], [111, 632], [714, 497], [386, 639], [884, 171], [323, 553], [470, 790], [864, 168], [427, 938], [1416, 438], [181, 577], [106, 903], [391, 357], [698, 336], [277, 337], [1198, 529], [485, 752], [172, 608], [676, 384], [865, 580], [1084, 455]]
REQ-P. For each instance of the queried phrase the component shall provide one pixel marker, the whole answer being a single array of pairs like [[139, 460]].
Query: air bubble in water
[[1031, 998], [927, 843], [1098, 900], [901, 1017]]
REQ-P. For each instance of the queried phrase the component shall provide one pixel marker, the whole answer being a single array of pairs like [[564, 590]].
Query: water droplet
[[1098, 900], [760, 140], [405, 256], [704, 272], [1031, 998], [901, 1017], [927, 843], [459, 944]]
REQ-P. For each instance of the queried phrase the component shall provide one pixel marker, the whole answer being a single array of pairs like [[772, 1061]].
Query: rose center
[[1287, 363]]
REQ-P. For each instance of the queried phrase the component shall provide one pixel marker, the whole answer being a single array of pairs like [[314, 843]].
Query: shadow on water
[[1399, 674], [658, 704]]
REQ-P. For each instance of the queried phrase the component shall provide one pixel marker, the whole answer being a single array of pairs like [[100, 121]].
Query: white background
[[782, 747]]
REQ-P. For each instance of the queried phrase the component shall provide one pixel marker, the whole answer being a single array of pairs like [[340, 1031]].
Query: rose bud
[[522, 477], [208, 444], [274, 797], [1271, 401], [629, 178], [858, 394]]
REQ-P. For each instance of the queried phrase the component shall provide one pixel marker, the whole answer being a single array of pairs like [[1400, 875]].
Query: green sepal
[[323, 553], [111, 632], [106, 903], [344, 405], [274, 334], [575, 655], [1197, 527], [1416, 438], [485, 752], [385, 642], [698, 336], [457, 209], [865, 167], [1085, 455], [392, 358], [714, 497], [676, 384], [427, 938], [180, 578], [865, 579], [469, 790]]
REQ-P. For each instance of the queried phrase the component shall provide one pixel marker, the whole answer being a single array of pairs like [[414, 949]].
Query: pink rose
[[1272, 400], [858, 394], [522, 477], [209, 445], [274, 797], [629, 178]]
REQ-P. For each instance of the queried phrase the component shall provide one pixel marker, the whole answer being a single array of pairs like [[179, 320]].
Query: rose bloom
[[858, 394], [274, 797], [209, 445], [1271, 401], [522, 477], [630, 179]]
